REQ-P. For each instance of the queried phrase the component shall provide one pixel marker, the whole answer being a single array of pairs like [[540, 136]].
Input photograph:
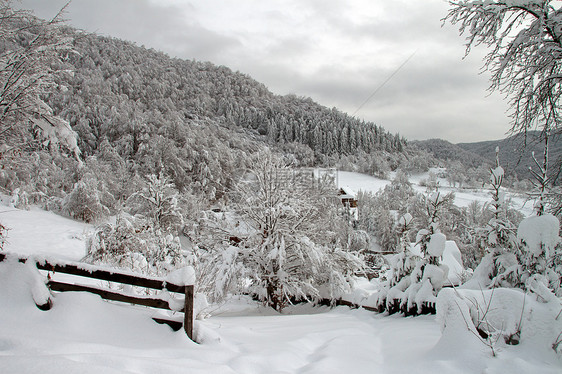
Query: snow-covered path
[[336, 341]]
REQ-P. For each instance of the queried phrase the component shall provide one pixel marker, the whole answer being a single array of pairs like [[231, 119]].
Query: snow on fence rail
[[110, 275]]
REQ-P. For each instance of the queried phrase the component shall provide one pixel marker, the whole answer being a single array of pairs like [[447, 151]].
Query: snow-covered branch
[[524, 38]]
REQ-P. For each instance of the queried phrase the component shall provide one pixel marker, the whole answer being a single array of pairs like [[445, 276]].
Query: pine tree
[[428, 276], [500, 265]]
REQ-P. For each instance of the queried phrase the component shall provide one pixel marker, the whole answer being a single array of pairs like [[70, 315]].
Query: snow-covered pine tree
[[434, 203], [391, 291], [540, 179], [403, 260], [429, 275], [539, 235], [500, 265]]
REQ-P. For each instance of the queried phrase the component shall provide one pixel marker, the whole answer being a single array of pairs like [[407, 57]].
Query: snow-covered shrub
[[158, 204], [431, 181], [284, 242], [358, 240], [133, 245], [540, 250], [19, 199], [83, 203], [539, 235], [501, 316]]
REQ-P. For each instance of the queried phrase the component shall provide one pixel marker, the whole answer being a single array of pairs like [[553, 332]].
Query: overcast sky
[[337, 52]]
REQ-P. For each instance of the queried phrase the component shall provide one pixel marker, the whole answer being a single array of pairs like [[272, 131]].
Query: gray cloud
[[167, 28]]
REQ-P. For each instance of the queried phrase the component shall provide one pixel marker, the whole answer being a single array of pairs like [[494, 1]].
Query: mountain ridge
[[515, 152]]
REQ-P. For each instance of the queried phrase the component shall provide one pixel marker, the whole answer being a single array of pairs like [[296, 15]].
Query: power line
[[383, 83]]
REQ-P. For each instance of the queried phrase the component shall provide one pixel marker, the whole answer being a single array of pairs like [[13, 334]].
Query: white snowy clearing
[[463, 197], [84, 334]]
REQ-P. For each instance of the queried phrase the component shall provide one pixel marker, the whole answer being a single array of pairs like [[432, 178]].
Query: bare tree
[[28, 48], [525, 41], [525, 54]]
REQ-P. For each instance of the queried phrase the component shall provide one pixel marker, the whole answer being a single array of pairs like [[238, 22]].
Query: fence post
[[188, 311]]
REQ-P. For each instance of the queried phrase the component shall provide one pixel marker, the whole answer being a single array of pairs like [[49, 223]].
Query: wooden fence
[[392, 308], [94, 272]]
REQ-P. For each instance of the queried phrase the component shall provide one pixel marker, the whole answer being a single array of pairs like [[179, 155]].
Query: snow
[[503, 314], [451, 258], [182, 277], [436, 245], [84, 334], [405, 220], [496, 174], [348, 193], [463, 197], [539, 233], [39, 291], [38, 232], [360, 182], [437, 275]]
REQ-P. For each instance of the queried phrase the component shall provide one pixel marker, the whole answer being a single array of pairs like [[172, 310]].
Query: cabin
[[349, 201], [347, 197]]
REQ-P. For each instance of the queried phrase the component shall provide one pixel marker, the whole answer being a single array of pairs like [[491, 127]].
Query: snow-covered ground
[[463, 197], [360, 182], [38, 232], [84, 334]]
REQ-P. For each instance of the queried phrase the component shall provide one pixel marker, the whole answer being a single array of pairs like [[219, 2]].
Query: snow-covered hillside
[[83, 334]]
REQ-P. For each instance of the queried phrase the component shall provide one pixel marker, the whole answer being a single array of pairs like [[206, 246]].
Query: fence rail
[[95, 272]]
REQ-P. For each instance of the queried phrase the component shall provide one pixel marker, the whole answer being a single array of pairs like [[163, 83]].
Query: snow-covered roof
[[346, 192]]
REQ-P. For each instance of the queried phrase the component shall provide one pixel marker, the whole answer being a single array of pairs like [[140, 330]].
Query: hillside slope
[[117, 88], [139, 112], [516, 152], [447, 151]]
